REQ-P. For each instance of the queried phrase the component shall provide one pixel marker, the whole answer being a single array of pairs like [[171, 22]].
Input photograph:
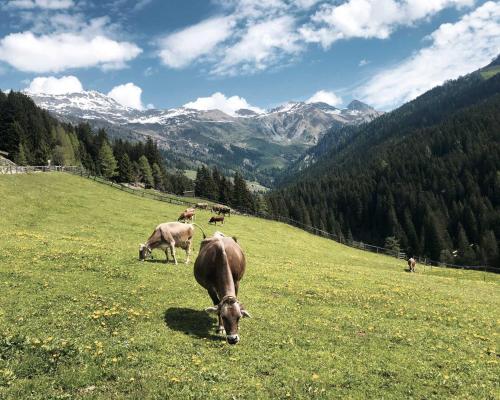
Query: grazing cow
[[169, 235], [221, 209], [214, 220], [219, 267], [186, 216], [411, 264], [201, 206]]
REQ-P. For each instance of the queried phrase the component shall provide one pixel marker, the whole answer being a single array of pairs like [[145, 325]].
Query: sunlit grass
[[80, 317]]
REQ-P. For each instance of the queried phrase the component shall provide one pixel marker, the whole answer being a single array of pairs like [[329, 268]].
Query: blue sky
[[244, 53]]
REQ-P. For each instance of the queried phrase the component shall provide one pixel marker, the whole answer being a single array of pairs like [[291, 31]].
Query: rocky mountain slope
[[258, 143]]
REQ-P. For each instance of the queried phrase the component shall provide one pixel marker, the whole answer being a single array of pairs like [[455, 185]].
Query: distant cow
[[221, 209], [190, 209], [214, 220], [186, 216], [411, 264], [219, 267], [201, 206], [169, 235]]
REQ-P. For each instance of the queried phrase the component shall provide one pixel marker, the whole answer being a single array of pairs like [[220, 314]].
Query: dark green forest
[[212, 185], [426, 176]]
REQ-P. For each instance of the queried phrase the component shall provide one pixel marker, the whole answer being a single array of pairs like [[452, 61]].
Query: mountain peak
[[495, 62], [359, 106]]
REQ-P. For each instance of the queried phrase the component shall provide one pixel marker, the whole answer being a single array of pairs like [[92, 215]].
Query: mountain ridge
[[258, 143]]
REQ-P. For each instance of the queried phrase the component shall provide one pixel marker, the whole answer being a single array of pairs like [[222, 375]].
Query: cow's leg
[[166, 254], [215, 299], [172, 249], [188, 251]]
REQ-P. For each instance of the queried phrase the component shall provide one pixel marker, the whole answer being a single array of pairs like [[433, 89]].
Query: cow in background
[[169, 235], [221, 209], [214, 220], [411, 264], [186, 216]]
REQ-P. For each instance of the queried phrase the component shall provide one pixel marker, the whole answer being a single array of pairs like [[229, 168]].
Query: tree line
[[211, 184], [33, 137]]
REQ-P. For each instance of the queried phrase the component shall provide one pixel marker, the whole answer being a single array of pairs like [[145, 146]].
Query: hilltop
[[80, 317], [424, 174]]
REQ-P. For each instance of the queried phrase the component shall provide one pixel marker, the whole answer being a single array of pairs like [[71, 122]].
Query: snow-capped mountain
[[256, 140]]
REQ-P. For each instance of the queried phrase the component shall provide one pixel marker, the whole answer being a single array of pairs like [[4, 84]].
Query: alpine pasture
[[81, 317]]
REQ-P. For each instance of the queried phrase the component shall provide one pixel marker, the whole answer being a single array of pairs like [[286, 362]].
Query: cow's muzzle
[[233, 339]]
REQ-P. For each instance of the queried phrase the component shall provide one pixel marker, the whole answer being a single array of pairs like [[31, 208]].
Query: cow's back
[[180, 232], [209, 262]]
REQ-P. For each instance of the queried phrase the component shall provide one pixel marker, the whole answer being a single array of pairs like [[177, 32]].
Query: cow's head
[[144, 252], [230, 310]]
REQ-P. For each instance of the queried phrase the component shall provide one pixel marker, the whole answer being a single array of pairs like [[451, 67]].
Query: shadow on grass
[[192, 322], [157, 260]]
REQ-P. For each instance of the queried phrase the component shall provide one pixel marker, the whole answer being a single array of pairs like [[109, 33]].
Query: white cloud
[[327, 97], [179, 49], [128, 95], [219, 101], [53, 85], [255, 35], [370, 18], [455, 49], [363, 62], [45, 4], [260, 46], [58, 52]]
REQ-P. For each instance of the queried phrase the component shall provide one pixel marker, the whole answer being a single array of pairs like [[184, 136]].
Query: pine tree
[[157, 177], [146, 173], [489, 247], [241, 197], [107, 162], [125, 171], [20, 158], [392, 243], [465, 252]]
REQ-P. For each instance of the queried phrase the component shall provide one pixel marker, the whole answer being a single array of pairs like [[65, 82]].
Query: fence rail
[[261, 214]]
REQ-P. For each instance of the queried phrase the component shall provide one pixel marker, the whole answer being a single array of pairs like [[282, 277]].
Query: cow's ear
[[245, 313], [213, 309]]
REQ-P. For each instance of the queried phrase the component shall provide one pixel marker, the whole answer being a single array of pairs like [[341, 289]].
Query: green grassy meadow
[[82, 318]]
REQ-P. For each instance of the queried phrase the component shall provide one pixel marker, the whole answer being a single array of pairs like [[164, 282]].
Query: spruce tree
[[157, 177], [107, 162], [20, 158], [125, 171], [146, 173]]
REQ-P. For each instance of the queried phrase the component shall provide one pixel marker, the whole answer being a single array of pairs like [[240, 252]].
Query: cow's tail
[[201, 229]]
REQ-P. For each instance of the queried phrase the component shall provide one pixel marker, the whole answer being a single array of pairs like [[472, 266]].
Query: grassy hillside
[[80, 317]]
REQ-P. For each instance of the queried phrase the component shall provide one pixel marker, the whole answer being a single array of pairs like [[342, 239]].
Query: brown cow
[[169, 235], [411, 264], [219, 267], [214, 220], [186, 216], [221, 209], [201, 206]]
